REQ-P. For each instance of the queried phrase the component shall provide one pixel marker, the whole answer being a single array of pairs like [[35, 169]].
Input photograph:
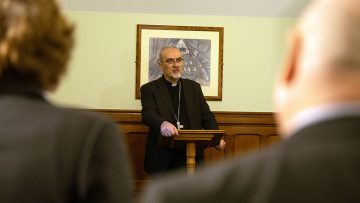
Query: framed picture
[[201, 47]]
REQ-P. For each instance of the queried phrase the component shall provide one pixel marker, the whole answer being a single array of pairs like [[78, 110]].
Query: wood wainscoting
[[244, 132]]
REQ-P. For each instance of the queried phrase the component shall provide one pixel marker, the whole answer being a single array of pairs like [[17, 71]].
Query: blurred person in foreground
[[318, 105], [49, 153]]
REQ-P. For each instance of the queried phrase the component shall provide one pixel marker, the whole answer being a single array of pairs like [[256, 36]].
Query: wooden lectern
[[193, 139]]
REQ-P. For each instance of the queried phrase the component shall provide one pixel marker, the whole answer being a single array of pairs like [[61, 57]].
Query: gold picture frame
[[202, 49]]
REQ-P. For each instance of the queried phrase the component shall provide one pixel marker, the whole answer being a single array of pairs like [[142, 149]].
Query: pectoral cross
[[179, 126]]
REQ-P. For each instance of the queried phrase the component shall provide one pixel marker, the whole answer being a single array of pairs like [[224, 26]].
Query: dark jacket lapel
[[188, 93], [164, 95]]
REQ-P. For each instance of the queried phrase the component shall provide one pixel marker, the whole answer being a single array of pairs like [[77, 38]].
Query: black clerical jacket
[[157, 107]]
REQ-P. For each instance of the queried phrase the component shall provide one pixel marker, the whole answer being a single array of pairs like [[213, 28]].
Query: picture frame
[[201, 47]]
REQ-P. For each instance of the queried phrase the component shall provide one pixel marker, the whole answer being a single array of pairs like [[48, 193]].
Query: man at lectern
[[169, 104]]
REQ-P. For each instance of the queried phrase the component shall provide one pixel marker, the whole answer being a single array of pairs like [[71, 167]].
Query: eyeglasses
[[171, 61]]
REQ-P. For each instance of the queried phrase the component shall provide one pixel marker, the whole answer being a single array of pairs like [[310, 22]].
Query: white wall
[[102, 70]]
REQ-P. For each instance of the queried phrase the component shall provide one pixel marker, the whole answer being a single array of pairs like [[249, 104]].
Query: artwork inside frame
[[201, 47]]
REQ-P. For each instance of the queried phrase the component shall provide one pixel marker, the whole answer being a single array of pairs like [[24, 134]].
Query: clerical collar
[[172, 84]]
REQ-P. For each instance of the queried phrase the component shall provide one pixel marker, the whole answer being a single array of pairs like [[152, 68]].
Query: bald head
[[331, 34], [322, 65]]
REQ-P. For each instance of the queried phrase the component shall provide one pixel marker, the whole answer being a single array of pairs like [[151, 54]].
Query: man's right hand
[[167, 129]]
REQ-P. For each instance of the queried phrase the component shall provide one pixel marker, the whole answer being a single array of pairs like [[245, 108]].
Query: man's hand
[[167, 129], [221, 145]]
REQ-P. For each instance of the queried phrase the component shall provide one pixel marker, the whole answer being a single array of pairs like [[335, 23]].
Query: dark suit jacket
[[157, 107], [51, 154], [320, 163]]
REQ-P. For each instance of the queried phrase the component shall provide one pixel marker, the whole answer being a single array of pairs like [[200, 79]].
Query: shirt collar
[[319, 114]]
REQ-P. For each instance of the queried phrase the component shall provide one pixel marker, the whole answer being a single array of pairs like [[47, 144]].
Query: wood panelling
[[244, 132]]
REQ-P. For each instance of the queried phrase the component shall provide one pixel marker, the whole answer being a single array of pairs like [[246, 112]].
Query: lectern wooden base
[[196, 139], [190, 158]]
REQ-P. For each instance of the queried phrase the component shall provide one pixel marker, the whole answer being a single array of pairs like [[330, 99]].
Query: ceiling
[[260, 8]]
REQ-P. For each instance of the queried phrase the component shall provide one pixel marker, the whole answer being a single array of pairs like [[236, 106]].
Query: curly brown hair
[[35, 40]]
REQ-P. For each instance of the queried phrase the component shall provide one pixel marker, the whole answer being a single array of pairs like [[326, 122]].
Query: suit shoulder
[[188, 81], [191, 83], [83, 116], [150, 84]]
